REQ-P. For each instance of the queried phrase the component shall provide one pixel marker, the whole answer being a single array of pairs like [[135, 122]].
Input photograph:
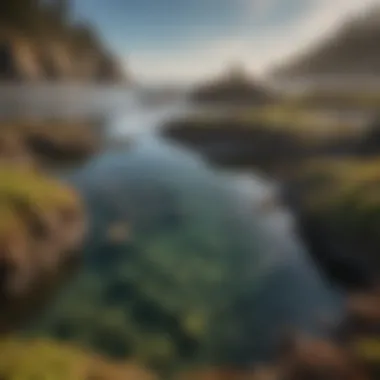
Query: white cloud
[[258, 52]]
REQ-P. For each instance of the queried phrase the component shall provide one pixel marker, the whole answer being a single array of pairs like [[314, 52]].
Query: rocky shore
[[311, 170], [331, 182], [46, 143], [43, 222]]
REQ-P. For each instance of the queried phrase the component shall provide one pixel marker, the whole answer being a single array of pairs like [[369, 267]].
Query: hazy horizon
[[186, 41]]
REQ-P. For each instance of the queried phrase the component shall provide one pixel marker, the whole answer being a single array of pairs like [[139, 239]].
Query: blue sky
[[188, 40]]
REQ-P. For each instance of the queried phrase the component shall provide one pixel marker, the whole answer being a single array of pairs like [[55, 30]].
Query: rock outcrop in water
[[339, 172], [35, 144], [337, 204], [38, 41]]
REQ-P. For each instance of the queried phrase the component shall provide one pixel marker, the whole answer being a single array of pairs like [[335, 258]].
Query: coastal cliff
[[39, 42]]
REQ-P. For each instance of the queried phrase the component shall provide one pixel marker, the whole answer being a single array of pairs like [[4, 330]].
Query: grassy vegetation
[[341, 181], [307, 125], [340, 99], [340, 204], [33, 189], [368, 349], [44, 359]]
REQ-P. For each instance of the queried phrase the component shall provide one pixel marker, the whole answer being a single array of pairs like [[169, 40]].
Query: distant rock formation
[[235, 87], [352, 50]]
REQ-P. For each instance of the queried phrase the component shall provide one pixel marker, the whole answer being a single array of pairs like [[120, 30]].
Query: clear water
[[210, 267]]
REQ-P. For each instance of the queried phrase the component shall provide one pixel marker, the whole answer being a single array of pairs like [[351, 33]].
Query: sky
[[191, 40]]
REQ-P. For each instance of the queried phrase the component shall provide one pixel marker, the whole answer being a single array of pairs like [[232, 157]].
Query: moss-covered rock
[[42, 225], [338, 202]]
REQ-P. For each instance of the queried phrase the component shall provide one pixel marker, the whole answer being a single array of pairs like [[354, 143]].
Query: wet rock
[[32, 144], [365, 308], [63, 141]]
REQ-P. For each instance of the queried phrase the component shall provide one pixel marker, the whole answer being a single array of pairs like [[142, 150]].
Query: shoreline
[[281, 155]]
